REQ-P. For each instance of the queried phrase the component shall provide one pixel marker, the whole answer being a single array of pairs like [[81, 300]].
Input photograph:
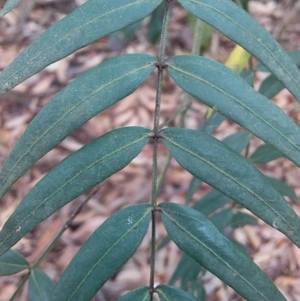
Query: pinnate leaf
[[240, 27], [12, 262], [89, 22], [216, 164], [76, 174], [104, 253], [85, 97], [40, 286], [208, 81], [195, 235]]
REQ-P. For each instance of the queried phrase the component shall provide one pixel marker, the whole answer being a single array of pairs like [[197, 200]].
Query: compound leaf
[[140, 294], [76, 174], [12, 262], [171, 293], [240, 27], [40, 286], [85, 97], [208, 81], [216, 164], [195, 235], [104, 253], [89, 22], [8, 6]]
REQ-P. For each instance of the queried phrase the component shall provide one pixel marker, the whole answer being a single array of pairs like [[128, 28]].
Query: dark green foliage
[[198, 231]]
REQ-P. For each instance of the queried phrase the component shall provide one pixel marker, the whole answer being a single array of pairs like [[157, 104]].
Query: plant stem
[[160, 67], [153, 253], [63, 229], [196, 50]]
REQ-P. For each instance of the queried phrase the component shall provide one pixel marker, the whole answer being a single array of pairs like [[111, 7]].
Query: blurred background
[[274, 253]]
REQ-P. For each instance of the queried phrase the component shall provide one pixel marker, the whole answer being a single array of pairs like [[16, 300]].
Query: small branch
[[64, 228], [160, 67]]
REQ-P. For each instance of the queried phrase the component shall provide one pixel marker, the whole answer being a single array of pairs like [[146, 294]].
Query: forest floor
[[272, 251]]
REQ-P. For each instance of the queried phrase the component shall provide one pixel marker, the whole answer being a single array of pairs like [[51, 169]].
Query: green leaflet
[[108, 248], [140, 294], [208, 81], [86, 24], [264, 154], [195, 235], [77, 173], [213, 162], [12, 262], [40, 286], [8, 6], [85, 97], [171, 293], [240, 27]]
